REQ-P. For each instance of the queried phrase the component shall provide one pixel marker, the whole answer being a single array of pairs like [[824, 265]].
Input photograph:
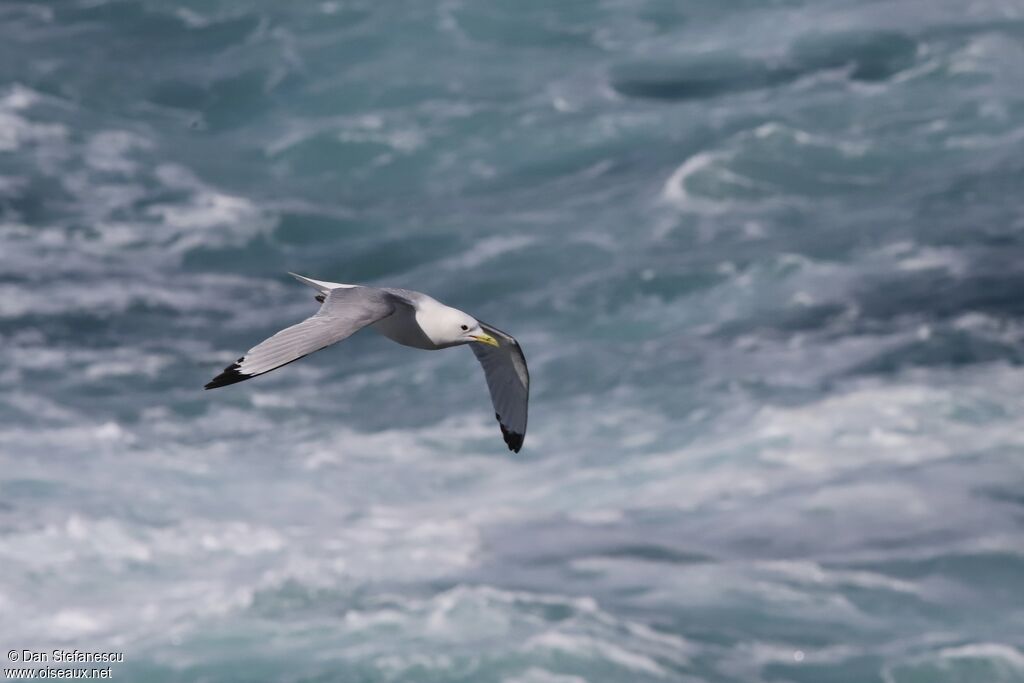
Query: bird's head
[[451, 326]]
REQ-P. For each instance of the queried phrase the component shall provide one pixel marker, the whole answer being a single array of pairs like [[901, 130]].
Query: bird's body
[[409, 318]]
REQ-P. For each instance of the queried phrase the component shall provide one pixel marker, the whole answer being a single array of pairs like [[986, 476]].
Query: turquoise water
[[766, 260]]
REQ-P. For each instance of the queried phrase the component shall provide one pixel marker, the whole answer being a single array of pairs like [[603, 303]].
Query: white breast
[[402, 327]]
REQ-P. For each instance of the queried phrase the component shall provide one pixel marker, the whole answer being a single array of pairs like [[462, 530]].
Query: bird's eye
[[465, 327]]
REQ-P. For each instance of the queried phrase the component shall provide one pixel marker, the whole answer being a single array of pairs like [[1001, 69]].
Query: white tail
[[322, 286]]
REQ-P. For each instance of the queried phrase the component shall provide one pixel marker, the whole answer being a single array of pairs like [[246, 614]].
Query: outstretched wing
[[343, 312], [509, 383]]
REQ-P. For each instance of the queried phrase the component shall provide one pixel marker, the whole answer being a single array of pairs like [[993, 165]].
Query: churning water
[[766, 260]]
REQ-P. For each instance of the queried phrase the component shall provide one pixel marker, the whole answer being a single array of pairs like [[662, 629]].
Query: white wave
[[984, 53], [205, 568], [814, 573], [401, 135], [770, 140], [80, 539], [1004, 662], [717, 585], [87, 291], [18, 97], [191, 18], [675, 189], [862, 424], [491, 621], [997, 651], [847, 147], [71, 624], [538, 675], [878, 422], [207, 209], [751, 657], [588, 648], [111, 150], [17, 130], [925, 258], [484, 251], [208, 217]]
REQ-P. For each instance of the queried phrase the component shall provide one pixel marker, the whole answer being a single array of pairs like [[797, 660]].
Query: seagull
[[409, 318]]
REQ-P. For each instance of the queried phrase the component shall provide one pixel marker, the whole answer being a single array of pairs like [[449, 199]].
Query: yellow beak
[[486, 339]]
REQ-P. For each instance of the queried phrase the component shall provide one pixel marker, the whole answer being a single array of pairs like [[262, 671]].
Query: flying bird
[[409, 318]]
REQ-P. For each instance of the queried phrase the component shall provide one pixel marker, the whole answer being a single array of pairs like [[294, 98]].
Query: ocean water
[[766, 260]]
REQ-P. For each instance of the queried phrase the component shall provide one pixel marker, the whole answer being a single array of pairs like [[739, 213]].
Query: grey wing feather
[[508, 380], [343, 312]]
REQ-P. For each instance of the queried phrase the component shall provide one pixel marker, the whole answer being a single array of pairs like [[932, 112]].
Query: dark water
[[766, 260]]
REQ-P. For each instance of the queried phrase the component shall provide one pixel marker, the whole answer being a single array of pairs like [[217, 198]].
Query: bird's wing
[[509, 383], [343, 312]]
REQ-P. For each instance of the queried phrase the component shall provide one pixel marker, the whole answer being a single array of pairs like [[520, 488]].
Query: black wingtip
[[513, 440], [231, 375]]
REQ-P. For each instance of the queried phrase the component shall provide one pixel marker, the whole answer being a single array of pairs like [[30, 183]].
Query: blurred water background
[[766, 259]]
